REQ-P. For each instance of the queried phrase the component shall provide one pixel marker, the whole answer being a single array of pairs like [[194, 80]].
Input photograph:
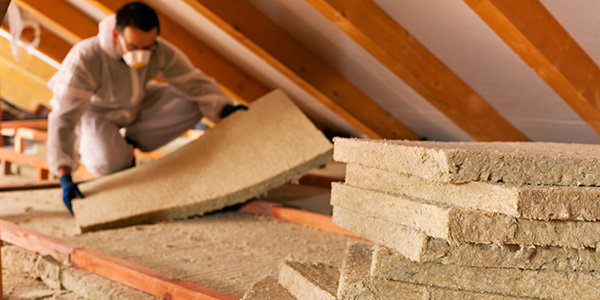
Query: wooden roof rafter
[[24, 83], [258, 33], [539, 39], [399, 51]]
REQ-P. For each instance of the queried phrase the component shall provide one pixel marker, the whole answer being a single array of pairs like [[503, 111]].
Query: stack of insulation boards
[[506, 220]]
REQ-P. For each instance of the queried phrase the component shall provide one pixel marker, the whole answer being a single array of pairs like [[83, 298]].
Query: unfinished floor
[[227, 251]]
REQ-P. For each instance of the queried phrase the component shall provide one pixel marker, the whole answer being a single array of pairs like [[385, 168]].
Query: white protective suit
[[96, 94]]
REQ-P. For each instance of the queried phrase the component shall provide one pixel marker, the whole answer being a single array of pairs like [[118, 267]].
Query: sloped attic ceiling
[[433, 69]]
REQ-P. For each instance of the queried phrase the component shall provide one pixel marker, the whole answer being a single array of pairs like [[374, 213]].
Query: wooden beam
[[204, 57], [28, 62], [537, 37], [21, 89], [59, 15], [24, 82], [56, 26], [399, 51], [36, 242], [36, 124], [266, 39], [141, 278], [121, 271], [50, 44], [296, 216]]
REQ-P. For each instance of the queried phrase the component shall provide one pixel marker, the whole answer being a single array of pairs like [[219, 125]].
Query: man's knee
[[108, 165]]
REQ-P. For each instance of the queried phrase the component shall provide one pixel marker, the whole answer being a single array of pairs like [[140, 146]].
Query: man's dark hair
[[138, 15]]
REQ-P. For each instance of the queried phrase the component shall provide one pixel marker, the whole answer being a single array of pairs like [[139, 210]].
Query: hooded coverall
[[95, 94]]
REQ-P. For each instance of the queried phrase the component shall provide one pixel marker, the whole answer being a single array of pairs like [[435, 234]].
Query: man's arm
[[180, 72]]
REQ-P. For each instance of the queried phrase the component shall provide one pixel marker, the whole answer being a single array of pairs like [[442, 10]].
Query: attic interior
[[250, 206]]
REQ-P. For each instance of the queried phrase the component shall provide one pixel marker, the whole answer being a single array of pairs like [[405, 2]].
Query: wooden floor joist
[[141, 278], [296, 216], [34, 241], [121, 271]]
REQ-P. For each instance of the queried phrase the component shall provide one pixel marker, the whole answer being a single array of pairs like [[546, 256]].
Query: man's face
[[136, 39]]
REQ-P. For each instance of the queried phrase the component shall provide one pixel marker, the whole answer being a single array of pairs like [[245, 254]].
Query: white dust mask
[[135, 58]]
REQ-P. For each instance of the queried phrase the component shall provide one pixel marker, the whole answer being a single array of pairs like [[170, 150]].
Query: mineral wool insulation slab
[[458, 162], [540, 202], [267, 289], [244, 156], [356, 283], [417, 246], [309, 281], [461, 225], [504, 281]]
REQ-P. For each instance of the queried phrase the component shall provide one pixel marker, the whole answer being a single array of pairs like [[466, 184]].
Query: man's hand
[[229, 109], [70, 191]]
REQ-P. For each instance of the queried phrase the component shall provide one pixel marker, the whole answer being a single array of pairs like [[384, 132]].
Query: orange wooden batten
[[296, 216], [127, 273], [141, 278], [34, 241]]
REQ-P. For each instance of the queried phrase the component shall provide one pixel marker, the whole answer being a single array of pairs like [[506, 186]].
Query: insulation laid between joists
[[244, 156], [458, 162]]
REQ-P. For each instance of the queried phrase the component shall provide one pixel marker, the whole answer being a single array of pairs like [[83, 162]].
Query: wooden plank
[[537, 37], [64, 16], [204, 57], [263, 208], [8, 156], [310, 219], [34, 241], [22, 88], [36, 124], [30, 186], [50, 23], [261, 35], [21, 158], [50, 44], [399, 51], [141, 278]]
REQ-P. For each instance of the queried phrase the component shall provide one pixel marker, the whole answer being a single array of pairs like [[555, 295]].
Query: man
[[104, 84]]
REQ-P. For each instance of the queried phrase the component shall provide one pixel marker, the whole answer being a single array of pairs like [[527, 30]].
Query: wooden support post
[[41, 174], [19, 143], [5, 166]]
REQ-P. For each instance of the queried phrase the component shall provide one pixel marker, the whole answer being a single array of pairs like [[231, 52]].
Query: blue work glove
[[229, 109], [70, 191]]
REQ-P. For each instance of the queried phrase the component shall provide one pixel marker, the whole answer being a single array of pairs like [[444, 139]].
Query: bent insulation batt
[[244, 156]]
